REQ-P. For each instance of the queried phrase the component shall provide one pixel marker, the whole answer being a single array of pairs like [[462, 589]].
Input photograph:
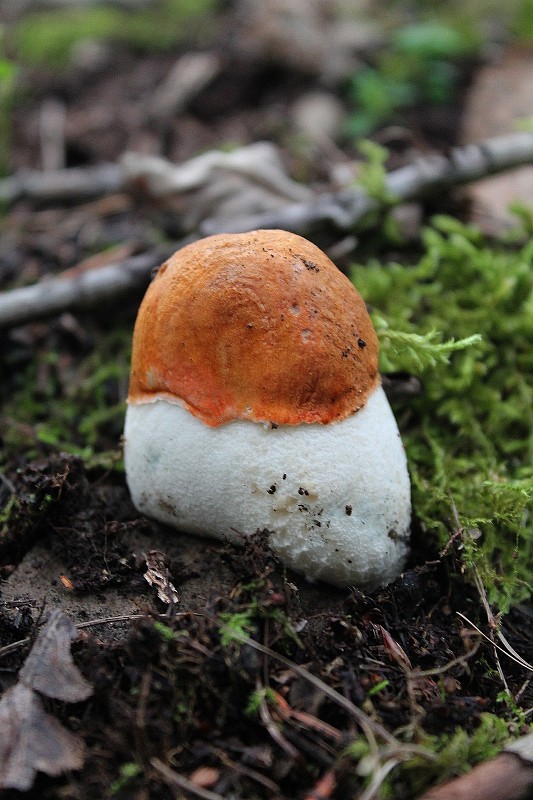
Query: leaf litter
[[33, 740]]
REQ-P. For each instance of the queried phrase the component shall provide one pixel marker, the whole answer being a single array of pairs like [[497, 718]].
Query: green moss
[[48, 37], [469, 436], [75, 407], [455, 754]]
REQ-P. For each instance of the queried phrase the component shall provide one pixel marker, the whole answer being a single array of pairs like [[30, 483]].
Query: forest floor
[[179, 705]]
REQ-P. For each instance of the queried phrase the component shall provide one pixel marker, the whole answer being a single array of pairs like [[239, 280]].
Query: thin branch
[[459, 661], [75, 183], [424, 177], [11, 648], [275, 733], [79, 289], [512, 654], [370, 727], [343, 209], [378, 776]]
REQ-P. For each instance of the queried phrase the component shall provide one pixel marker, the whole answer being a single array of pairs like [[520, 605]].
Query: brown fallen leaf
[[32, 741], [49, 667]]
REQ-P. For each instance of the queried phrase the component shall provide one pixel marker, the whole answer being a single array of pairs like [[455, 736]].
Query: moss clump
[[455, 753], [469, 436], [69, 405]]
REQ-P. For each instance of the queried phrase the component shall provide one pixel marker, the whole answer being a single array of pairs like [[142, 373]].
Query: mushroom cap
[[259, 326]]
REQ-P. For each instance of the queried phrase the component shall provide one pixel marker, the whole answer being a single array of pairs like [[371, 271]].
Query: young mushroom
[[255, 404]]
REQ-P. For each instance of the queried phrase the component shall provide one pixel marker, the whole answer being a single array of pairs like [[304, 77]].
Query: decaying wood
[[508, 776], [260, 163], [343, 209]]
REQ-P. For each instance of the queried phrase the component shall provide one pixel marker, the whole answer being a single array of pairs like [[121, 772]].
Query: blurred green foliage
[[455, 754], [8, 74], [48, 37], [419, 65]]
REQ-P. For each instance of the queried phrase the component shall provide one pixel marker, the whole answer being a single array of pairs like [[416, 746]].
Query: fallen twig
[[507, 650], [79, 289], [74, 183], [423, 177], [272, 728], [343, 209], [11, 648]]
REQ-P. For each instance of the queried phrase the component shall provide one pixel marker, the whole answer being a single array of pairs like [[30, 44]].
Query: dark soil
[[75, 541]]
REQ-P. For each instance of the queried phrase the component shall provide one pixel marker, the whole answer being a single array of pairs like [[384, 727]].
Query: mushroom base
[[335, 498]]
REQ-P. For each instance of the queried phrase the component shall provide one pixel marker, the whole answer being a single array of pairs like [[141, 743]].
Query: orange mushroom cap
[[259, 326]]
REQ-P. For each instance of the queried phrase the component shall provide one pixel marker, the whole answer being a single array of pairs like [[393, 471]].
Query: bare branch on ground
[[423, 178], [79, 290], [344, 209]]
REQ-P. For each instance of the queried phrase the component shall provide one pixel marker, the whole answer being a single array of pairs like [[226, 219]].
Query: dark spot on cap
[[272, 489], [310, 265], [348, 510], [361, 343]]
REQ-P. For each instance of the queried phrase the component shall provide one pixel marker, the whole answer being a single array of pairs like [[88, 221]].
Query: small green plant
[[165, 632], [237, 626], [378, 687], [8, 75], [419, 65], [518, 715], [418, 352], [48, 37], [257, 698], [82, 415], [455, 753], [372, 175], [128, 771]]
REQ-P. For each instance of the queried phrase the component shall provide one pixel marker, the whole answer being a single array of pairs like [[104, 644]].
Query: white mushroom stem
[[336, 497]]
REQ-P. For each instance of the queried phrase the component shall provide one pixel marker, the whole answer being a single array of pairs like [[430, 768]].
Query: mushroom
[[255, 404]]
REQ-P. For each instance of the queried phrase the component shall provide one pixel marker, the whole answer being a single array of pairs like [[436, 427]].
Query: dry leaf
[[395, 651], [49, 667], [205, 777], [32, 741]]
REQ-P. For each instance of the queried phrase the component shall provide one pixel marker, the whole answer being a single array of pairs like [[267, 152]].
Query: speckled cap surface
[[259, 326]]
